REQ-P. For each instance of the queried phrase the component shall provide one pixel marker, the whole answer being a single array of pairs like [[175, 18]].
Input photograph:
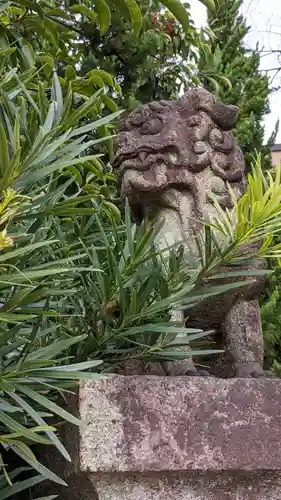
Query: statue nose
[[142, 155]]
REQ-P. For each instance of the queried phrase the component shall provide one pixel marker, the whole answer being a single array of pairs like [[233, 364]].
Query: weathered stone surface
[[231, 486], [147, 423], [174, 159], [173, 438]]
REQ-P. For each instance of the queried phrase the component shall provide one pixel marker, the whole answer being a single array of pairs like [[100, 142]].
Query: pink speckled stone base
[[174, 438], [183, 438]]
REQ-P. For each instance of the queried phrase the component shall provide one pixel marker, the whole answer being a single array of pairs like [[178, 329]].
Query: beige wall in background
[[276, 158]]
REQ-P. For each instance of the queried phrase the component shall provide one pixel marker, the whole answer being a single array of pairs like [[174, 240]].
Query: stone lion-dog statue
[[173, 158]]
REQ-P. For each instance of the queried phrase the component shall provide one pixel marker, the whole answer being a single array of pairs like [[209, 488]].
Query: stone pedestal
[[178, 438]]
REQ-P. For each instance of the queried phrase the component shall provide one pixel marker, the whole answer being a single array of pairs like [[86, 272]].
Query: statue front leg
[[180, 367], [242, 334], [173, 233], [183, 366]]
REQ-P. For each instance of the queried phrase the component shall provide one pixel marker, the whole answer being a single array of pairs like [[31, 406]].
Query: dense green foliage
[[144, 64], [271, 319], [157, 63], [240, 65]]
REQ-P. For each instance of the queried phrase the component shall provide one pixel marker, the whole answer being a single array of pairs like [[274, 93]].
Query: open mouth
[[143, 159]]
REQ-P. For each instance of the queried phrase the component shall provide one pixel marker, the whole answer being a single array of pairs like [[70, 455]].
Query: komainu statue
[[174, 158]]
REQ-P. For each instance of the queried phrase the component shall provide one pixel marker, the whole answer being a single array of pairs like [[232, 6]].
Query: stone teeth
[[173, 158], [199, 147]]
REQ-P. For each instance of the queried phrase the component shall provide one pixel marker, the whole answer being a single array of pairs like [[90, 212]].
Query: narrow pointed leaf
[[39, 420], [39, 467], [50, 405]]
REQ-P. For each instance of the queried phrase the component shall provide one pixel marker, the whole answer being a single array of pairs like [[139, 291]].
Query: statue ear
[[224, 115]]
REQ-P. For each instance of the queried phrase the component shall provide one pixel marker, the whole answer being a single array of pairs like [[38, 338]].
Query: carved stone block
[[184, 438]]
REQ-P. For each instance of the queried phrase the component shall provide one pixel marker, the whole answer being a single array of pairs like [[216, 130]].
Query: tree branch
[[272, 69], [64, 23]]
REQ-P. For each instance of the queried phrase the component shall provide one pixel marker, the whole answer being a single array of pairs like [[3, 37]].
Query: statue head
[[182, 146]]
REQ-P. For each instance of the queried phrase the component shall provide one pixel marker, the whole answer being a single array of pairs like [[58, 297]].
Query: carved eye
[[151, 127], [136, 120], [193, 121]]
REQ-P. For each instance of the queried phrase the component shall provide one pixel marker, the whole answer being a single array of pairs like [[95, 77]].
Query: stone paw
[[264, 374], [249, 370], [197, 373], [204, 373], [192, 373], [269, 374]]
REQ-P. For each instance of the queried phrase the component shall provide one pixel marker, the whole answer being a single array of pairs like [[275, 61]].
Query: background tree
[[157, 63], [240, 65]]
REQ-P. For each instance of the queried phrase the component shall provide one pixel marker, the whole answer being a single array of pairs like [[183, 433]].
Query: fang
[[142, 155]]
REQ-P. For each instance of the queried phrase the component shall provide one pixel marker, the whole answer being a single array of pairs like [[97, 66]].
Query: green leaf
[[103, 75], [7, 407], [210, 4], [30, 275], [15, 318], [12, 475], [70, 73], [57, 97], [109, 103], [39, 467], [16, 488], [4, 6], [28, 54], [180, 12], [11, 254], [135, 14], [175, 355], [113, 209], [81, 112], [5, 160], [181, 341], [96, 124], [39, 420], [15, 426], [47, 403], [50, 497], [67, 375], [55, 348], [104, 15], [79, 366], [165, 328]]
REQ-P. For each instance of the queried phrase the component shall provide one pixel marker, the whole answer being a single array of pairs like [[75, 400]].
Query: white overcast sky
[[264, 17]]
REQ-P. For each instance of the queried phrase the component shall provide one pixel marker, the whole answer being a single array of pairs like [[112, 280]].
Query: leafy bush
[[43, 157], [271, 319], [75, 267]]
